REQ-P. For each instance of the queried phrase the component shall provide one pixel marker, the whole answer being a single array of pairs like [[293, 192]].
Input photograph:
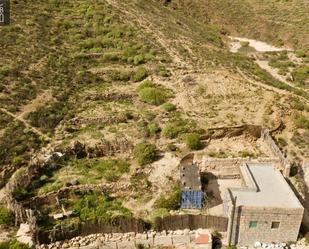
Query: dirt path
[[18, 118], [34, 104], [274, 72], [270, 88]]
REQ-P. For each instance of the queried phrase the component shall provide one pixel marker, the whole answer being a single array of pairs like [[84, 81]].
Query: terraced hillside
[[131, 86]]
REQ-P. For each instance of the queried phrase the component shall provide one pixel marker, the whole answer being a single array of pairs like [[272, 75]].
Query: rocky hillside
[[279, 22], [128, 82]]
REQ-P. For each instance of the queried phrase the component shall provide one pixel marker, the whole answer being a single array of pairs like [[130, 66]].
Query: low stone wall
[[285, 164], [127, 240], [224, 168], [50, 198]]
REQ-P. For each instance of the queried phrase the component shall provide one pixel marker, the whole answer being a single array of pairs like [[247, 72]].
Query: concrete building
[[265, 209], [191, 189]]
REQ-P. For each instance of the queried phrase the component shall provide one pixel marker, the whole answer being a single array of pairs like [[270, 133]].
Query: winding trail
[[270, 88], [20, 119]]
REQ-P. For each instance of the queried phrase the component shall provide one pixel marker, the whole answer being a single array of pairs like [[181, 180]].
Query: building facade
[[264, 210]]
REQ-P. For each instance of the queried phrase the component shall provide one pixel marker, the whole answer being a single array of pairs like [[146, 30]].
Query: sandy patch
[[164, 168], [257, 45]]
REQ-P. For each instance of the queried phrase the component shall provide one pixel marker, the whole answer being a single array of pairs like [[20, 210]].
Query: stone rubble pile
[[300, 244]]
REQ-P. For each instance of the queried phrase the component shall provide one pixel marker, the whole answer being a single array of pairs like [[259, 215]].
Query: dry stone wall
[[127, 240], [229, 167], [285, 164], [225, 168]]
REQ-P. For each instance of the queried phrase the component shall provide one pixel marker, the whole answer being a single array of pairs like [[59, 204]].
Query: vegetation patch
[[178, 127], [301, 75], [81, 171], [13, 244], [145, 153], [6, 217], [169, 202], [301, 122], [193, 141], [96, 207], [169, 107]]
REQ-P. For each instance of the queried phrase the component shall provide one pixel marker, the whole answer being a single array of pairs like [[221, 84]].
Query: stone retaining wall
[[128, 240]]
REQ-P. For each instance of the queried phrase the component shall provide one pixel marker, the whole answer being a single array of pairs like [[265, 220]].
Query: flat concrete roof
[[265, 187]]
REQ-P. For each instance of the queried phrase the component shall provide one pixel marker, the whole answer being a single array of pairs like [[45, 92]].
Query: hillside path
[[20, 119], [270, 88]]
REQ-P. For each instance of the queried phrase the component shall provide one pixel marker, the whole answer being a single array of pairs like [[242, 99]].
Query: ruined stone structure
[[264, 210]]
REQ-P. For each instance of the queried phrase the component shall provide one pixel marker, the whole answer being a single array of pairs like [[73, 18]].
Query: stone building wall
[[285, 164], [290, 220]]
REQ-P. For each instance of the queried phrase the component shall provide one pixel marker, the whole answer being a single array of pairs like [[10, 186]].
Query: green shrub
[[231, 247], [138, 59], [246, 153], [149, 115], [300, 53], [145, 153], [298, 104], [140, 74], [220, 154], [301, 74], [120, 75], [178, 127], [162, 71], [13, 244], [21, 194], [160, 212], [6, 217], [5, 245], [169, 107], [193, 141], [145, 84], [153, 96], [17, 161], [153, 128], [301, 122], [171, 202], [283, 65]]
